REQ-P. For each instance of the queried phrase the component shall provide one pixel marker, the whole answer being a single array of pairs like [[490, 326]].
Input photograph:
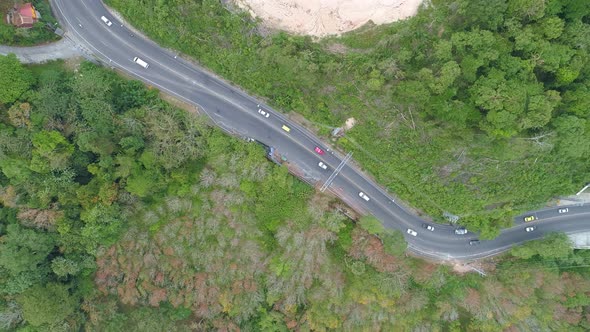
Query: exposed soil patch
[[327, 17]]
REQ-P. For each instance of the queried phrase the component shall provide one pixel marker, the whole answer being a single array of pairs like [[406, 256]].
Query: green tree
[[372, 225], [52, 151], [47, 305], [394, 243], [15, 79], [552, 27], [573, 139], [24, 249], [486, 14], [553, 246], [63, 267], [529, 10], [6, 34], [576, 101]]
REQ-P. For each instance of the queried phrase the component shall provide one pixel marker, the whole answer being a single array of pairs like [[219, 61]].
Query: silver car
[[461, 231]]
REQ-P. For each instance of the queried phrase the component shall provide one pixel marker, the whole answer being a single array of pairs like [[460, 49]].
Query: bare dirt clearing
[[327, 17]]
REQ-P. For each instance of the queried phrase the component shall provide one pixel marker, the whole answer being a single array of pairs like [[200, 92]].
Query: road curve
[[233, 110]]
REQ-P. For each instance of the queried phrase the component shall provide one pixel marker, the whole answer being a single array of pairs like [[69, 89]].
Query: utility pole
[[336, 171]]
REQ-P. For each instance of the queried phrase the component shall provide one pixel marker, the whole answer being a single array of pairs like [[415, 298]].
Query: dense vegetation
[[38, 34], [476, 107], [121, 213]]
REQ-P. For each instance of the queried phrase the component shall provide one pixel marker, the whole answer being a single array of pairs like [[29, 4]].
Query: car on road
[[530, 229], [318, 150], [428, 227], [563, 210], [411, 232], [461, 231], [322, 165], [473, 242], [364, 196], [530, 218], [285, 128], [106, 21], [141, 62], [263, 113]]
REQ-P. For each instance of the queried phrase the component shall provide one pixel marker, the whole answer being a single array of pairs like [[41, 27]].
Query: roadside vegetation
[[475, 107], [40, 33], [119, 212]]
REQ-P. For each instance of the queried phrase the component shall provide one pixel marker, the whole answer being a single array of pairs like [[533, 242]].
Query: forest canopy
[[104, 228], [120, 212]]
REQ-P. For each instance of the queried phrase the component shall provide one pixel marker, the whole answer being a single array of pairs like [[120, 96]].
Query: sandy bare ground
[[62, 49], [327, 17]]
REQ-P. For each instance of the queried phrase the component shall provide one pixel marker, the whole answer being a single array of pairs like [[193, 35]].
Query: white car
[[106, 21], [563, 210], [322, 165], [428, 227], [411, 232], [529, 229], [263, 113], [363, 196]]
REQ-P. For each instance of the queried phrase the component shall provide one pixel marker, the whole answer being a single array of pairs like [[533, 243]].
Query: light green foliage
[[47, 305], [553, 246], [372, 225], [394, 243], [51, 152], [63, 267], [552, 27], [271, 321], [15, 79]]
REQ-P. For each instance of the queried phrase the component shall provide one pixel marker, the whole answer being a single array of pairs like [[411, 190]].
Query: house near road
[[23, 16]]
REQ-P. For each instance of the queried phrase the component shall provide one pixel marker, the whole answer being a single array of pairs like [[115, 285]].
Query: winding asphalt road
[[236, 112]]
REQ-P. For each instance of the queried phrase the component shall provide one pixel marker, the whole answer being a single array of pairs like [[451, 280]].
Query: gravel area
[[62, 49]]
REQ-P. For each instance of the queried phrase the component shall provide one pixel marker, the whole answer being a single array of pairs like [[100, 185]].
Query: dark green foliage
[[23, 255]]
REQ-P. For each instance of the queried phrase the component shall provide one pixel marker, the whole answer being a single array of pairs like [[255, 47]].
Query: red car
[[318, 150]]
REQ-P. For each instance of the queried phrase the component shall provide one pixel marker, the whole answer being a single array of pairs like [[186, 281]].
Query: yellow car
[[530, 218], [287, 129]]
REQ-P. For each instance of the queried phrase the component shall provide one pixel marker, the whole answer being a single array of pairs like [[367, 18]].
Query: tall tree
[[47, 305], [15, 79]]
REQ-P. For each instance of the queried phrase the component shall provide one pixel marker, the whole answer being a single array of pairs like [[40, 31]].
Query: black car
[[473, 242]]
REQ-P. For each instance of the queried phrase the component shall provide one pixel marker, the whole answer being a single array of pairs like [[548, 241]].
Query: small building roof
[[24, 16], [27, 10]]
